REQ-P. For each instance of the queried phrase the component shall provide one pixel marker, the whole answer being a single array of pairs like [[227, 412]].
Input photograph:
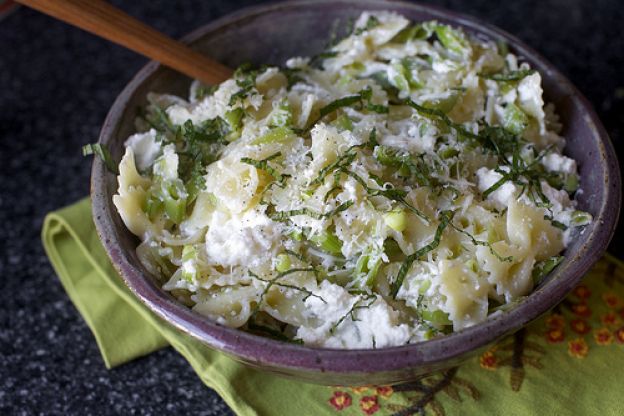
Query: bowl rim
[[267, 352]]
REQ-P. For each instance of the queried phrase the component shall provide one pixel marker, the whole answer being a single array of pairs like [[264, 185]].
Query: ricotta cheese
[[395, 188]]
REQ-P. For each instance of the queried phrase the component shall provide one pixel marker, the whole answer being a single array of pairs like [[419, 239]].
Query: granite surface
[[56, 85]]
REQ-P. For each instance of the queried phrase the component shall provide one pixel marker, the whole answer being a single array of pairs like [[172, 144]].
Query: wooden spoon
[[108, 22]]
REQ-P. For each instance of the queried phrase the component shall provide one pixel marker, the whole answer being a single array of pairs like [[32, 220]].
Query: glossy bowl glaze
[[271, 34]]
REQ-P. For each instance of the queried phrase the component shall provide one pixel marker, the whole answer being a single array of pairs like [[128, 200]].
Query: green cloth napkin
[[570, 362]]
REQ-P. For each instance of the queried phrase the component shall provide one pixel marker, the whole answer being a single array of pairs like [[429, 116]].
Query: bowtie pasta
[[406, 183]]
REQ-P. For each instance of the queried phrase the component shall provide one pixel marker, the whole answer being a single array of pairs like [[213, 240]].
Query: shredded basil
[[274, 282], [342, 162], [393, 194], [199, 146], [408, 166], [509, 76], [204, 91], [363, 99], [245, 76], [252, 326], [444, 218], [357, 305], [103, 153], [371, 23], [555, 223], [285, 215], [264, 165], [317, 60], [158, 119], [526, 175], [442, 117], [481, 243], [293, 76]]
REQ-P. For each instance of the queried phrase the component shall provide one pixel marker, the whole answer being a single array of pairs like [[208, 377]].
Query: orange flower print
[[359, 390], [611, 299], [581, 309], [385, 391], [555, 321], [488, 360], [603, 336], [555, 335], [578, 348], [580, 326], [340, 400], [582, 291], [369, 404], [619, 335], [610, 318]]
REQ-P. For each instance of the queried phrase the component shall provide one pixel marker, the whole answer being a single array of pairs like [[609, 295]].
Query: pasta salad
[[407, 182]]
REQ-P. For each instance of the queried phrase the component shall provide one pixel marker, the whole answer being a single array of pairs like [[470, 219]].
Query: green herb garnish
[[406, 164], [204, 91], [264, 165], [509, 76], [358, 304], [371, 23], [200, 145], [274, 282], [481, 243], [103, 153], [362, 99], [285, 215], [445, 218], [245, 76]]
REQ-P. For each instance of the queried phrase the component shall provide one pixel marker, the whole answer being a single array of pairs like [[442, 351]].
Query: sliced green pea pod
[[409, 65], [400, 79], [188, 253], [389, 156], [175, 209], [152, 205], [343, 122], [296, 235], [282, 263], [282, 115], [276, 135], [397, 220], [543, 268], [571, 183], [328, 243], [392, 249], [367, 267], [436, 317], [448, 153], [444, 104], [414, 32], [514, 119], [234, 118], [424, 287], [174, 199], [580, 218], [451, 39]]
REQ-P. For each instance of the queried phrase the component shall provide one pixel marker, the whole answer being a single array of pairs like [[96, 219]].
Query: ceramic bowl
[[271, 34]]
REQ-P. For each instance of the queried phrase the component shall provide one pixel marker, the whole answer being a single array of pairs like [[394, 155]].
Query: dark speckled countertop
[[56, 85]]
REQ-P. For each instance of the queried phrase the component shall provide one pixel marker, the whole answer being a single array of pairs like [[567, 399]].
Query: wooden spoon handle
[[104, 20]]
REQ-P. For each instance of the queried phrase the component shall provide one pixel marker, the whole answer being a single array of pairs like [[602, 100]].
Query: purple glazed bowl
[[270, 34]]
